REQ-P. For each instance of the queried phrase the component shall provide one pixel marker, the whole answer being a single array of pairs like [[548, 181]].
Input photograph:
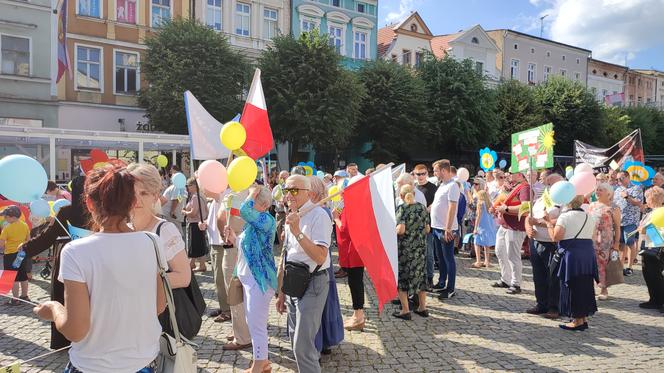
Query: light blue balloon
[[40, 208], [320, 174], [22, 179], [57, 205], [179, 180], [569, 174], [562, 192], [502, 163]]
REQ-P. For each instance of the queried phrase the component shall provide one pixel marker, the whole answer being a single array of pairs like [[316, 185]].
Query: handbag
[[189, 307], [296, 278], [176, 354], [558, 254], [614, 270], [235, 292]]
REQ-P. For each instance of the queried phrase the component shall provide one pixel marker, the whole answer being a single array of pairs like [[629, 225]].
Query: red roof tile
[[385, 37], [440, 44]]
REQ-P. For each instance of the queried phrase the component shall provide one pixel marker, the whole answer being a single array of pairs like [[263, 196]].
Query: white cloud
[[405, 8], [615, 30]]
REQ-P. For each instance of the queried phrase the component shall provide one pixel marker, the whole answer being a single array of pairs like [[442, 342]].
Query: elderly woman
[[412, 226], [256, 270], [607, 232], [574, 230], [653, 254], [196, 212]]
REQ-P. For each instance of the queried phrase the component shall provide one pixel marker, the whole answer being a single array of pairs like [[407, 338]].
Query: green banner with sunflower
[[533, 146]]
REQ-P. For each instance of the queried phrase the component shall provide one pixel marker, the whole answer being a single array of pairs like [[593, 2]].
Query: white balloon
[[463, 174], [583, 167]]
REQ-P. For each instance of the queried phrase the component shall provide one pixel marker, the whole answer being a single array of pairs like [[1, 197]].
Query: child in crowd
[[11, 238]]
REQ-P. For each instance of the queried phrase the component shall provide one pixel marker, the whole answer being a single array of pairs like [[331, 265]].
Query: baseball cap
[[11, 211], [340, 173]]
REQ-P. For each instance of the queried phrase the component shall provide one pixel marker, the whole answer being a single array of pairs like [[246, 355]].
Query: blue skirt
[[578, 270], [331, 331]]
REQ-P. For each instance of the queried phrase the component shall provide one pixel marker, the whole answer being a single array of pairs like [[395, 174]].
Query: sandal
[[423, 313], [487, 265], [223, 317], [476, 265]]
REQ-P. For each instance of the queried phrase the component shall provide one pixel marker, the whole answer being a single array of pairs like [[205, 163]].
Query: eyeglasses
[[420, 174], [293, 191]]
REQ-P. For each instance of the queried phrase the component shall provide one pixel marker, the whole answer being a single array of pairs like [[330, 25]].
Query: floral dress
[[603, 237], [412, 247]]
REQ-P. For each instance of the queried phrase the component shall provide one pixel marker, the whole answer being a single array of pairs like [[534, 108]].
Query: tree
[[461, 110], [651, 122], [310, 98], [186, 55], [392, 116], [616, 124], [517, 110], [573, 110]]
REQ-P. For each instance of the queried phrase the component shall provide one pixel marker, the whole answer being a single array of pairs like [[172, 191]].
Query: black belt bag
[[297, 278]]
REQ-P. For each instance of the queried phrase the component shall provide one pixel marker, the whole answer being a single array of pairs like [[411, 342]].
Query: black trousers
[[356, 285], [652, 274], [547, 284]]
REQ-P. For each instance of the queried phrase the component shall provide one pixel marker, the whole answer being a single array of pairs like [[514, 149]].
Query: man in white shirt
[[307, 241], [444, 226], [407, 179]]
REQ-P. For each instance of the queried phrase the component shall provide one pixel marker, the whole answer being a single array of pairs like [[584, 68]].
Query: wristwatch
[[299, 237]]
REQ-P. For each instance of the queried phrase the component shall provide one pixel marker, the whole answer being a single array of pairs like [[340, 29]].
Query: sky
[[626, 32]]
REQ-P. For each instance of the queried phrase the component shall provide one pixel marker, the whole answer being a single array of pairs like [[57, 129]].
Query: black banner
[[603, 159]]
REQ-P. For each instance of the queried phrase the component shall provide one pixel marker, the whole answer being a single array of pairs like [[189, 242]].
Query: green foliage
[[651, 123], [573, 111], [517, 110], [393, 114], [310, 98], [616, 124], [461, 110], [186, 55]]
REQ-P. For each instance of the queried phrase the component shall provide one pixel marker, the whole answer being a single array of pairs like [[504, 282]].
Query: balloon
[[50, 206], [40, 208], [310, 164], [562, 192], [657, 217], [233, 135], [179, 180], [212, 176], [502, 163], [301, 164], [463, 174], [162, 161], [242, 173], [569, 173], [569, 168], [332, 191], [320, 174], [308, 171], [57, 205], [22, 179], [584, 182], [583, 167], [69, 185]]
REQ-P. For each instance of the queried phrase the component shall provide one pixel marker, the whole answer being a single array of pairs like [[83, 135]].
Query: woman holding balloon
[[653, 253]]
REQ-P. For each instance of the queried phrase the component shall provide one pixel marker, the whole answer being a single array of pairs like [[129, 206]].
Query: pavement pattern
[[482, 329]]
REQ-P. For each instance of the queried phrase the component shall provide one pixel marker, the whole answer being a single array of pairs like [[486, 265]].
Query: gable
[[477, 37], [414, 24]]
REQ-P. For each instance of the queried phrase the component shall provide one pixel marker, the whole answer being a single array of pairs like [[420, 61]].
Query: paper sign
[[14, 368], [534, 145]]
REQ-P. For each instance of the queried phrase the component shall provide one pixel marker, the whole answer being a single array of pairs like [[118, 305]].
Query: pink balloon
[[583, 167], [212, 176], [584, 182]]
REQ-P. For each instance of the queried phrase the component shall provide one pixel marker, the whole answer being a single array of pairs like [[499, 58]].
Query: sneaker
[[514, 290], [447, 294], [628, 272], [499, 284], [438, 288]]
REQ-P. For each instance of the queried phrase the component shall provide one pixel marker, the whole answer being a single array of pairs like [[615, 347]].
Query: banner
[[533, 146], [630, 148]]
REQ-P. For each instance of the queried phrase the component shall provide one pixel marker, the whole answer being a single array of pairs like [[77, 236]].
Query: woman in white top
[[574, 231], [112, 286]]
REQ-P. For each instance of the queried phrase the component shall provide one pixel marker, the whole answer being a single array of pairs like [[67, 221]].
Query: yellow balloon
[[332, 191], [657, 217], [162, 161], [308, 171], [50, 204], [242, 173], [233, 135], [69, 185]]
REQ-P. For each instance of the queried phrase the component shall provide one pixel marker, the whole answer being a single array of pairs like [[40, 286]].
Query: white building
[[405, 42], [606, 79]]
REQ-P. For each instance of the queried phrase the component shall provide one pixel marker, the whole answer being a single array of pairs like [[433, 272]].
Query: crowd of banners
[[630, 148], [532, 148]]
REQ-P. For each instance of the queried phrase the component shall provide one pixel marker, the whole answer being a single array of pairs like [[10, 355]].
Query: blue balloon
[[179, 180], [320, 174], [569, 174], [562, 192], [22, 179], [301, 164], [57, 205], [502, 163], [40, 208], [310, 164]]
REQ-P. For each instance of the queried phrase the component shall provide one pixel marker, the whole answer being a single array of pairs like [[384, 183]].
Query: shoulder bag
[[555, 260], [296, 277], [176, 354]]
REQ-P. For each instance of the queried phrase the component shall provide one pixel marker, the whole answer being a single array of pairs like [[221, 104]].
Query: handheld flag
[[64, 63], [7, 281], [203, 131], [256, 122]]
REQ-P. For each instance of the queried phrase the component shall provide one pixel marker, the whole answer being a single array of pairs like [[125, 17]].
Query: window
[[336, 3], [394, 58], [15, 55], [242, 19], [126, 73], [564, 57], [532, 73], [563, 72], [514, 69], [605, 74], [479, 67], [413, 27], [594, 71], [516, 46], [405, 57], [336, 38], [532, 50], [361, 8], [577, 76], [418, 58], [308, 25], [161, 11], [474, 40], [639, 83], [605, 92], [213, 14], [548, 53], [125, 11], [547, 72], [578, 61], [270, 23], [89, 8], [360, 45], [88, 68]]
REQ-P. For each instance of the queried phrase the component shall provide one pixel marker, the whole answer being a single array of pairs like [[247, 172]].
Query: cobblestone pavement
[[481, 329]]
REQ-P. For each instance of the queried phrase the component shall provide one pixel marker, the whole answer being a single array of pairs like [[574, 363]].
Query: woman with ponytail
[[412, 226]]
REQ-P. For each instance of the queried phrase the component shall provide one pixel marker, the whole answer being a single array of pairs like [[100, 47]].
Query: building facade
[[26, 68], [639, 88], [606, 79], [406, 42], [350, 24], [658, 89], [532, 60], [249, 24]]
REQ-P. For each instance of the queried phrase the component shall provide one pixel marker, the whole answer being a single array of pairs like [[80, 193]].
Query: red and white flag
[[256, 122], [369, 209], [6, 280], [203, 131]]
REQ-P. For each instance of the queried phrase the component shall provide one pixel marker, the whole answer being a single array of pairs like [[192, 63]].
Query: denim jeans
[[447, 263], [429, 258], [547, 287]]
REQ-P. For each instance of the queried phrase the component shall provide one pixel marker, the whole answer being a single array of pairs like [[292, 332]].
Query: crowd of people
[[108, 301]]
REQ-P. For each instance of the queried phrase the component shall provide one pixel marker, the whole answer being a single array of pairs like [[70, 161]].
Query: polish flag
[[369, 210], [256, 122], [6, 281]]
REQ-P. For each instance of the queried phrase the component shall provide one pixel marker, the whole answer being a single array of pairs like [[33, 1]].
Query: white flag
[[203, 131]]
